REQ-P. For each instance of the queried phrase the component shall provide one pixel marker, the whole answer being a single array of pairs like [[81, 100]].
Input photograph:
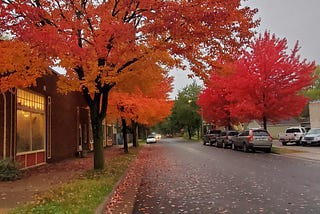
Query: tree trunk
[[124, 132], [98, 109], [189, 133], [264, 119], [97, 132], [134, 133], [198, 133]]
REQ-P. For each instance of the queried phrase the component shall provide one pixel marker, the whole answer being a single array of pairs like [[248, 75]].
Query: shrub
[[9, 170]]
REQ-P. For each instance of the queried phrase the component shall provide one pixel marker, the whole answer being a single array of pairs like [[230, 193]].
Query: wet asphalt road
[[192, 178]]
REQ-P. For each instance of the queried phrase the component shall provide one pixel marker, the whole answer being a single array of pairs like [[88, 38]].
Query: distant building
[[314, 111]]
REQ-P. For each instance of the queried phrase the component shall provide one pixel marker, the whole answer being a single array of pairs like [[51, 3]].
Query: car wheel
[[245, 148], [284, 143], [204, 143]]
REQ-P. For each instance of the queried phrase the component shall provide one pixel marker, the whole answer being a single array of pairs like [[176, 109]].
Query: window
[[30, 122], [244, 133], [292, 130], [260, 133]]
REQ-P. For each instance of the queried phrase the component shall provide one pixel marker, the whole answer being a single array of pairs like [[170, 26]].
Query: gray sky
[[295, 20]]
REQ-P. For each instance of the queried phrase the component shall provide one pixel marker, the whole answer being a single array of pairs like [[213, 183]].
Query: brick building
[[39, 125]]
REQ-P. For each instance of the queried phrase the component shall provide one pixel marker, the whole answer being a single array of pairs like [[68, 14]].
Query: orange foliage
[[99, 40], [20, 65], [139, 108]]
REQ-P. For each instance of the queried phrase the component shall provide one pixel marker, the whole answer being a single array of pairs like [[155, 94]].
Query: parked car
[[312, 137], [225, 138], [292, 135], [211, 137], [151, 139], [252, 139]]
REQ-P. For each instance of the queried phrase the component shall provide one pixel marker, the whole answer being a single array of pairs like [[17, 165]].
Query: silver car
[[252, 139], [312, 137]]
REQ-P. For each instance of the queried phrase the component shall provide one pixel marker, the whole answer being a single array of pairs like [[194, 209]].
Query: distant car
[[252, 139], [151, 139], [311, 138], [225, 138]]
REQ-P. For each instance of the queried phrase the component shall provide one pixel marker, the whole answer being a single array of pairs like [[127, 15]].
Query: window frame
[[37, 110]]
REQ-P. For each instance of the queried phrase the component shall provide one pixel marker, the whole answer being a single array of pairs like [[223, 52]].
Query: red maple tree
[[266, 85], [269, 81], [216, 99]]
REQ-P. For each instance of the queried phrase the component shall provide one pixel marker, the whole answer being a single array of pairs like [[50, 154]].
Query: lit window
[[30, 122]]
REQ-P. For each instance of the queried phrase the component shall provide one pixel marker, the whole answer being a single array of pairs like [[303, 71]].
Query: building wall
[[276, 129], [67, 123], [68, 113], [314, 110]]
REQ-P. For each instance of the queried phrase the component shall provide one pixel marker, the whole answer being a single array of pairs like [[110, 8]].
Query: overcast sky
[[295, 20]]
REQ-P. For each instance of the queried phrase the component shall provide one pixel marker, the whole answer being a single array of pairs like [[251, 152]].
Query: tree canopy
[[185, 112], [266, 84], [99, 42]]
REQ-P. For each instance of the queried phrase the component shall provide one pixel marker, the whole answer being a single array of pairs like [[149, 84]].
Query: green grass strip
[[84, 194]]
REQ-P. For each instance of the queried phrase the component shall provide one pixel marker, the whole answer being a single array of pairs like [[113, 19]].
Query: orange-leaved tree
[[20, 65], [141, 98], [136, 108], [98, 41]]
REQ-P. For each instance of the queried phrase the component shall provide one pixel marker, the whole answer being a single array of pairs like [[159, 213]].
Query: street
[[185, 177]]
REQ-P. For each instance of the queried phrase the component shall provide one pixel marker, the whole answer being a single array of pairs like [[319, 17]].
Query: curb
[[103, 207]]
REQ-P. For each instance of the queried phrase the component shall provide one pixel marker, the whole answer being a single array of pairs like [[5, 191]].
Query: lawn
[[83, 194]]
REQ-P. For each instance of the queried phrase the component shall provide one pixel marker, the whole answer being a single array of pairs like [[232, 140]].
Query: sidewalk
[[41, 179], [305, 152]]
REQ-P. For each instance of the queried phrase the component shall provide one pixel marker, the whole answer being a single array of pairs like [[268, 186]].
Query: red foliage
[[266, 85], [270, 80]]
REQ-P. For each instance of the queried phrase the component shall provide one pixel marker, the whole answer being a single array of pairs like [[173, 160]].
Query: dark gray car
[[253, 139], [225, 138]]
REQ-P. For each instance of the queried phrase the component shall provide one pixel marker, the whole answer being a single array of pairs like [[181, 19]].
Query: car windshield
[[260, 133], [151, 136], [292, 130], [314, 131]]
